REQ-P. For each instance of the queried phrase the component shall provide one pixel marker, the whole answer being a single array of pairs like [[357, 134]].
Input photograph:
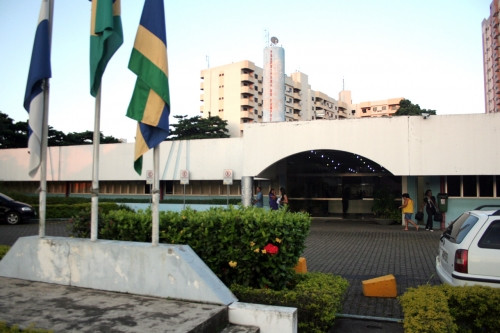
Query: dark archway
[[335, 182]]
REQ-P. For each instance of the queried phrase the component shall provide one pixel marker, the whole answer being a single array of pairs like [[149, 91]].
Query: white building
[[311, 159]]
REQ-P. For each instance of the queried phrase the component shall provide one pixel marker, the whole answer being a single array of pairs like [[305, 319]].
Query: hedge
[[244, 245], [445, 308]]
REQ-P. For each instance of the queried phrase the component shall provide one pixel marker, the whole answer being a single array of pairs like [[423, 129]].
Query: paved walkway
[[361, 249], [355, 249]]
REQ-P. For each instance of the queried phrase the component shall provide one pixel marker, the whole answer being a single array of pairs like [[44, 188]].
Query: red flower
[[271, 249]]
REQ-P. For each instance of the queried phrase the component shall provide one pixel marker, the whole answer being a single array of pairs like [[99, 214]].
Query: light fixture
[[425, 115]]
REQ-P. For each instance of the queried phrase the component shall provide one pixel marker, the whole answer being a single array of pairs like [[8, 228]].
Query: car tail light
[[461, 261]]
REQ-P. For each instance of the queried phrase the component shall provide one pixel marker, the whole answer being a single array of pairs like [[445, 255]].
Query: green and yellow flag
[[106, 36], [150, 103]]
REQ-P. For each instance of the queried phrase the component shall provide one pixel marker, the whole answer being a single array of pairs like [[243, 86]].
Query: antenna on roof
[[266, 37], [207, 59]]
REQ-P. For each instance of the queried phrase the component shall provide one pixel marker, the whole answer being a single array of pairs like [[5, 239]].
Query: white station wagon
[[469, 249]]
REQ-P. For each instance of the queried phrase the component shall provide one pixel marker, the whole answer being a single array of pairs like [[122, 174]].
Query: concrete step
[[70, 309]]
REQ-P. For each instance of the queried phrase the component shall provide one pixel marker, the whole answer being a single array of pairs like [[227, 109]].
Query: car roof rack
[[489, 206]]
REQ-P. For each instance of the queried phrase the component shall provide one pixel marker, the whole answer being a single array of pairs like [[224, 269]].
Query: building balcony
[[320, 114], [247, 90], [202, 97], [246, 78], [247, 102], [248, 66], [202, 84], [246, 114]]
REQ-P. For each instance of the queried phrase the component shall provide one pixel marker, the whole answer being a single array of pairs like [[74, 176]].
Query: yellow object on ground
[[301, 266], [383, 286]]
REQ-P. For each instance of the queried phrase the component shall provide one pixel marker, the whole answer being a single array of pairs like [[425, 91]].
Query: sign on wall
[[228, 177], [184, 177], [149, 177]]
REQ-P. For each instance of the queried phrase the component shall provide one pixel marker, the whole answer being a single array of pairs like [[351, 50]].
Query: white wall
[[406, 146]]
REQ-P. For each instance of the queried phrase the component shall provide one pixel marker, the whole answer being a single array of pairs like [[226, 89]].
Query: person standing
[[284, 198], [259, 198], [430, 209], [407, 207], [273, 200]]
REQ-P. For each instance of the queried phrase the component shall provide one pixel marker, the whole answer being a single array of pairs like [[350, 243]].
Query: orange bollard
[[301, 266]]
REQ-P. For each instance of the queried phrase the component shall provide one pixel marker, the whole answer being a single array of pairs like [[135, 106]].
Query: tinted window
[[457, 231], [453, 186], [491, 237], [485, 186], [470, 189]]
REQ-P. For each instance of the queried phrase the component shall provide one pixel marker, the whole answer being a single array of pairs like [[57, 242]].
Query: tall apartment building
[[491, 59], [236, 93]]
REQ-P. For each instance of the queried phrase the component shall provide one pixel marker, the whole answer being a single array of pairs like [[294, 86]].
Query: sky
[[427, 51]]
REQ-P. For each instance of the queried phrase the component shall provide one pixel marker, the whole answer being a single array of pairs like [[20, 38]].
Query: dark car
[[14, 212]]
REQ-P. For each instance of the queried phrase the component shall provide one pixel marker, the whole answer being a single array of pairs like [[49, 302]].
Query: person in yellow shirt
[[407, 207]]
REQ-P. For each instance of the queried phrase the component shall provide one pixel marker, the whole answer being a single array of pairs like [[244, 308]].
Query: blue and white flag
[[34, 98]]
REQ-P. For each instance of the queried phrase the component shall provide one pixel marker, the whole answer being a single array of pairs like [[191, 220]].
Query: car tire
[[13, 218]]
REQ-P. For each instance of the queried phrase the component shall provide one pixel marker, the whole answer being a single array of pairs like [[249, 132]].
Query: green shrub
[[445, 308], [3, 250], [475, 308], [426, 310], [233, 241], [317, 297], [81, 217], [67, 210], [236, 243]]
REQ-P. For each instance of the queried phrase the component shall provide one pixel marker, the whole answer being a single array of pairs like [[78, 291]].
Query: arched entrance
[[330, 182]]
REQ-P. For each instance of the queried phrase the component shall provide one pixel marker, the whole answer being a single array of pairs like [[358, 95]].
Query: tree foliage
[[198, 128], [15, 135], [12, 135], [407, 108]]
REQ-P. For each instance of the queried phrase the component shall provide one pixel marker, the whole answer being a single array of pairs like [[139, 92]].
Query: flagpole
[[156, 196], [42, 197], [43, 161], [95, 168]]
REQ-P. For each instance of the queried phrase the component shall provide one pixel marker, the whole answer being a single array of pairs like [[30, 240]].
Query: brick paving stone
[[360, 249]]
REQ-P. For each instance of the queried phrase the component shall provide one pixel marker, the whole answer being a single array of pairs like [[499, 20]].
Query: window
[[485, 186], [169, 187], [470, 189], [491, 237], [374, 108], [384, 108], [473, 186], [457, 231], [453, 183]]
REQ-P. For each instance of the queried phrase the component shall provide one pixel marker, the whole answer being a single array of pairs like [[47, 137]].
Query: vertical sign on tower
[[273, 87]]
